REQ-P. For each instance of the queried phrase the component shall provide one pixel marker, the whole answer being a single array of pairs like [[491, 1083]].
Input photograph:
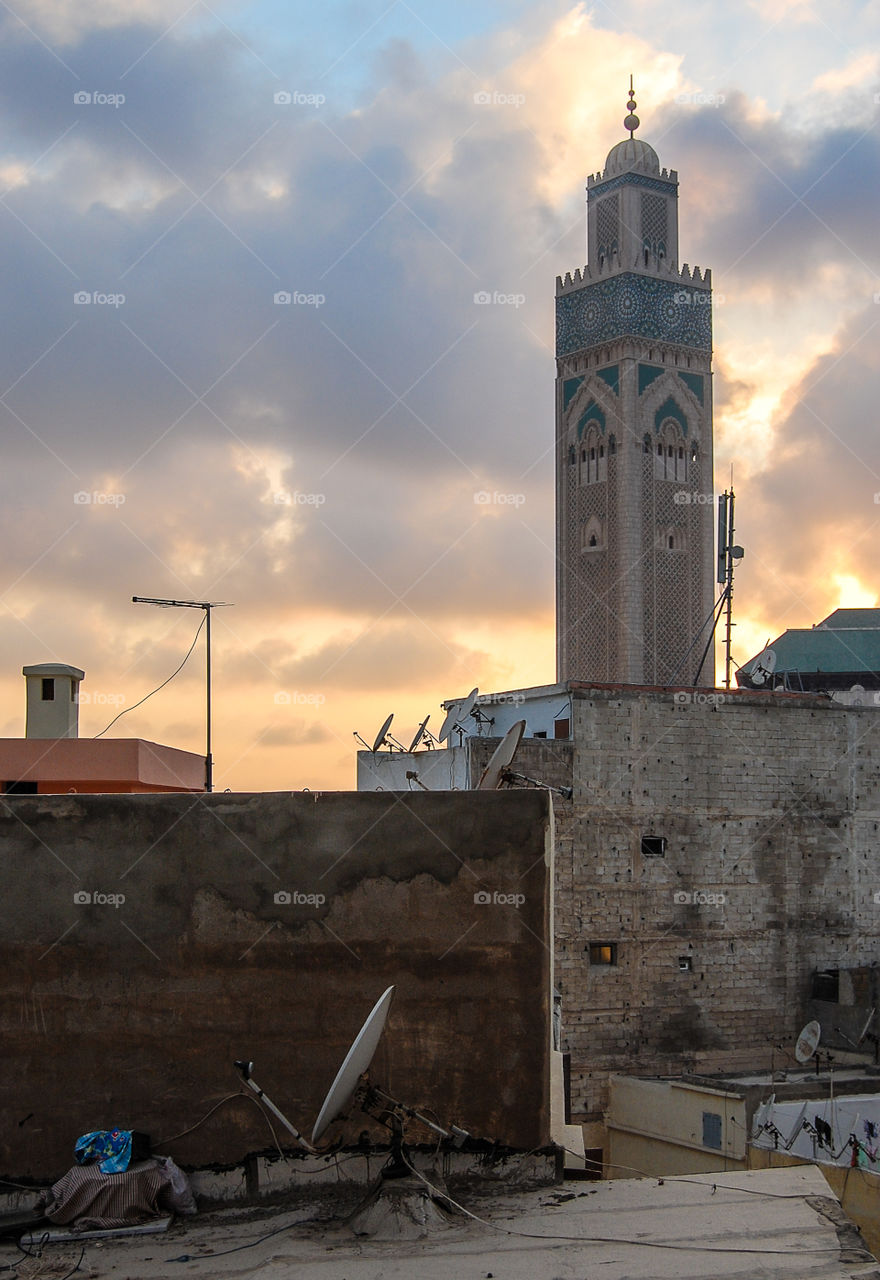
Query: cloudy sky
[[170, 169]]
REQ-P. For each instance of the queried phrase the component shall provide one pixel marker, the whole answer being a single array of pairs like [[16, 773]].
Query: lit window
[[603, 953]]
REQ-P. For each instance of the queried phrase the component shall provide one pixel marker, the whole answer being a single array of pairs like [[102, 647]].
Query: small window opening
[[603, 953], [540, 733], [686, 964], [593, 542], [653, 846], [671, 542], [48, 690], [712, 1130]]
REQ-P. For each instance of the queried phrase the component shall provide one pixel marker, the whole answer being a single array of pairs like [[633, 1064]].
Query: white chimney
[[52, 700]]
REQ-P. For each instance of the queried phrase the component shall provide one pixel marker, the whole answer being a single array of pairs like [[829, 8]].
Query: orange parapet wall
[[59, 765]]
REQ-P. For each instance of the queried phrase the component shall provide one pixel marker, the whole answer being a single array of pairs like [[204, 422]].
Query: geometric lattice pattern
[[635, 305], [607, 225], [655, 223]]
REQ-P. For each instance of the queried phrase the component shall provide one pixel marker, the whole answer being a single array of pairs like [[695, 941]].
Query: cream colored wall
[[656, 1127]]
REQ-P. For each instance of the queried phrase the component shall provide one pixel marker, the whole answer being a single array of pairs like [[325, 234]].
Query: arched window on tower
[[671, 460], [593, 462]]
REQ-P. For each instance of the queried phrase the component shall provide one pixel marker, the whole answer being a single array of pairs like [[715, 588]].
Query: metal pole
[[729, 567], [207, 606], [209, 762]]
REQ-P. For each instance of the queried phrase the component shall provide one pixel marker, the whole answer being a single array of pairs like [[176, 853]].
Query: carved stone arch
[[593, 391], [593, 535], [671, 537], [669, 386]]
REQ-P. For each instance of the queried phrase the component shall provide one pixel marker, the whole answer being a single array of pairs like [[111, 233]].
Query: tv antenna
[[456, 714], [495, 771], [808, 1042], [207, 605], [355, 1064], [383, 738], [763, 666], [423, 734], [245, 1068]]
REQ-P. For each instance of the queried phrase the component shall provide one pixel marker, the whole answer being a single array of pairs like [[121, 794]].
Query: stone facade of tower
[[635, 510]]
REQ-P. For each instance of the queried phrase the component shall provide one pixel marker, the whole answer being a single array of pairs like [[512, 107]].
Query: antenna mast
[[728, 554]]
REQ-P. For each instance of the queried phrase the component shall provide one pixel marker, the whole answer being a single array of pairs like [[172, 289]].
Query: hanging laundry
[[824, 1136]]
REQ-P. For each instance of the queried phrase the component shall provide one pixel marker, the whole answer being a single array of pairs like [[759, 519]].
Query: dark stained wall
[[130, 1013]]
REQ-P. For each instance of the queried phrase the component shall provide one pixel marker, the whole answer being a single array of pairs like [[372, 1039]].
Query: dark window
[[712, 1130], [671, 542], [572, 457], [612, 445], [826, 985], [593, 542], [561, 728], [653, 846], [603, 953], [686, 964], [20, 788], [542, 733], [48, 690]]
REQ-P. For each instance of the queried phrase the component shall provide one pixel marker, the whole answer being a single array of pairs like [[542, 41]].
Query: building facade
[[634, 514]]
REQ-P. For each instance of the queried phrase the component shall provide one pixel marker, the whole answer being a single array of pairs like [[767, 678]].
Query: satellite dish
[[356, 1062], [808, 1042], [490, 779], [466, 706], [381, 735], [420, 733], [763, 666], [456, 713]]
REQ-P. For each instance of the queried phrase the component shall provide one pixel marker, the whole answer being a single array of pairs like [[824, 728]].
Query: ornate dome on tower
[[630, 154]]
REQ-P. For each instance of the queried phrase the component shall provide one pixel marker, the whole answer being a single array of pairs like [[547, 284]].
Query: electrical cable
[[648, 1244], [161, 686], [203, 1257]]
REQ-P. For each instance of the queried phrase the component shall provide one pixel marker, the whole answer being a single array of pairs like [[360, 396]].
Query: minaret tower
[[634, 503]]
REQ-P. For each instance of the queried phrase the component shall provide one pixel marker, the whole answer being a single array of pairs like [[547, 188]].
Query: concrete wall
[[131, 1012], [770, 808]]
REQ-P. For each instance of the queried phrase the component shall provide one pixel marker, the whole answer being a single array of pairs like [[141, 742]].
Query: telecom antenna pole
[[207, 605], [728, 554]]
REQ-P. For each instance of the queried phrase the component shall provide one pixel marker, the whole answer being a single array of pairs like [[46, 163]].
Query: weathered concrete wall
[[770, 807], [131, 1014]]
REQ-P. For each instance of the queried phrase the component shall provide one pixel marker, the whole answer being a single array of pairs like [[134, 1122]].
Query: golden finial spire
[[632, 121]]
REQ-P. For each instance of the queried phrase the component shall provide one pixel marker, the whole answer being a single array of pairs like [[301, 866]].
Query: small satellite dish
[[808, 1042], [420, 733], [490, 779], [356, 1062], [456, 713], [763, 666], [382, 734]]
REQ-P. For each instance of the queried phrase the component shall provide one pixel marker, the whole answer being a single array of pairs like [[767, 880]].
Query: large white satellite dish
[[380, 736], [456, 713], [808, 1042], [356, 1062], [490, 778]]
